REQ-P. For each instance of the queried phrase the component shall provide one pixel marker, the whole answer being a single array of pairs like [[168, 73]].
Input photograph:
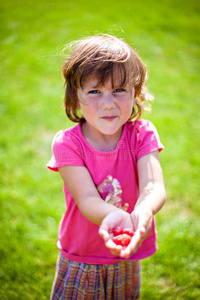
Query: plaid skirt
[[81, 281]]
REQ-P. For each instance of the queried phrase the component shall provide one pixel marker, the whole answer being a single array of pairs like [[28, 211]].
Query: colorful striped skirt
[[78, 281]]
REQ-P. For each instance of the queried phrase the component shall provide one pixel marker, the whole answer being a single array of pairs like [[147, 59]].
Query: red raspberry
[[122, 239], [117, 230], [117, 240], [129, 232]]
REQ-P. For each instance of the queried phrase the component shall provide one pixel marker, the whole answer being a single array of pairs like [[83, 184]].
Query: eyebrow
[[91, 85]]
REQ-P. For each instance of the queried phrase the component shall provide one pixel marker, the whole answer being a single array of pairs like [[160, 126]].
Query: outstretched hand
[[115, 218], [140, 221]]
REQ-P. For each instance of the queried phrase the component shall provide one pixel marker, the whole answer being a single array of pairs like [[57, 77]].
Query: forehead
[[93, 82], [115, 75]]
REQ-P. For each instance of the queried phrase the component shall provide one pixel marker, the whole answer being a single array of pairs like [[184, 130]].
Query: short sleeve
[[65, 152], [147, 139]]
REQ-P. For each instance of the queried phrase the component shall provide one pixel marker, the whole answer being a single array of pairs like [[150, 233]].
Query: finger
[[116, 253], [142, 229], [112, 246], [115, 249], [135, 243], [145, 225], [104, 234]]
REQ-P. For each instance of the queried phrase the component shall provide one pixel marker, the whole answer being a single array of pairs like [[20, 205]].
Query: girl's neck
[[105, 143]]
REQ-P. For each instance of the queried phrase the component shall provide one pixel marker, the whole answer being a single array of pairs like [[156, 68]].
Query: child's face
[[105, 109]]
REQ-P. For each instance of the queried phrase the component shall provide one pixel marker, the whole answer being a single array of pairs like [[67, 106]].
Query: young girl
[[110, 168]]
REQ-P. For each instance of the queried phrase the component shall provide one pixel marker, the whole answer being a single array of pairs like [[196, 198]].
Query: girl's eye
[[119, 90], [94, 92]]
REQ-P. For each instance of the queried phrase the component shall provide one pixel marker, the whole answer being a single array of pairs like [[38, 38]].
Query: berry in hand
[[117, 230], [122, 239], [122, 236], [129, 231]]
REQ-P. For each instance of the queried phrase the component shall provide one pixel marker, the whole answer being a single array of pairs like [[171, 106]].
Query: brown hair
[[100, 56]]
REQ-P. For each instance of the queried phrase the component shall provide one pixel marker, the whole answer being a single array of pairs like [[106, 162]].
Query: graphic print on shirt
[[112, 187]]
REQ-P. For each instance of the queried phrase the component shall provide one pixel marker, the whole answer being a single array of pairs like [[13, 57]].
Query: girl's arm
[[82, 188], [150, 201], [151, 183]]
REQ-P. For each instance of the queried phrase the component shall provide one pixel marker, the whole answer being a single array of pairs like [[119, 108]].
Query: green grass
[[166, 35]]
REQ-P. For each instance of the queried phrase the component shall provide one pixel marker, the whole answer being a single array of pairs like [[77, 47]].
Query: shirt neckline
[[120, 143]]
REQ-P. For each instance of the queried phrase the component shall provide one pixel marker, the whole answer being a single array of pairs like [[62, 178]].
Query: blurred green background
[[166, 35]]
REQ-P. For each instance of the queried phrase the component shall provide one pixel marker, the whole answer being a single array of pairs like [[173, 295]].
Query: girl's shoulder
[[140, 126], [142, 135], [67, 135], [66, 149]]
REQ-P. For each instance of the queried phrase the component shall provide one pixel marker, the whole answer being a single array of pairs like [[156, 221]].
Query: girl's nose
[[108, 101]]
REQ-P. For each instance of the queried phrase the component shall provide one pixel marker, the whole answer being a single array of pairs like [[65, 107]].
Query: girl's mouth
[[109, 118]]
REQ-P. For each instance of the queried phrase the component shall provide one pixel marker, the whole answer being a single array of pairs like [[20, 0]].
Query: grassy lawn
[[166, 35]]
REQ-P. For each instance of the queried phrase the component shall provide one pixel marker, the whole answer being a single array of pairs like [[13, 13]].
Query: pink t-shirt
[[78, 237]]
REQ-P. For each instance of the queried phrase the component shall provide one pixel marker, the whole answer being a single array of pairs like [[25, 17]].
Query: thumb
[[103, 231], [145, 226], [104, 234]]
